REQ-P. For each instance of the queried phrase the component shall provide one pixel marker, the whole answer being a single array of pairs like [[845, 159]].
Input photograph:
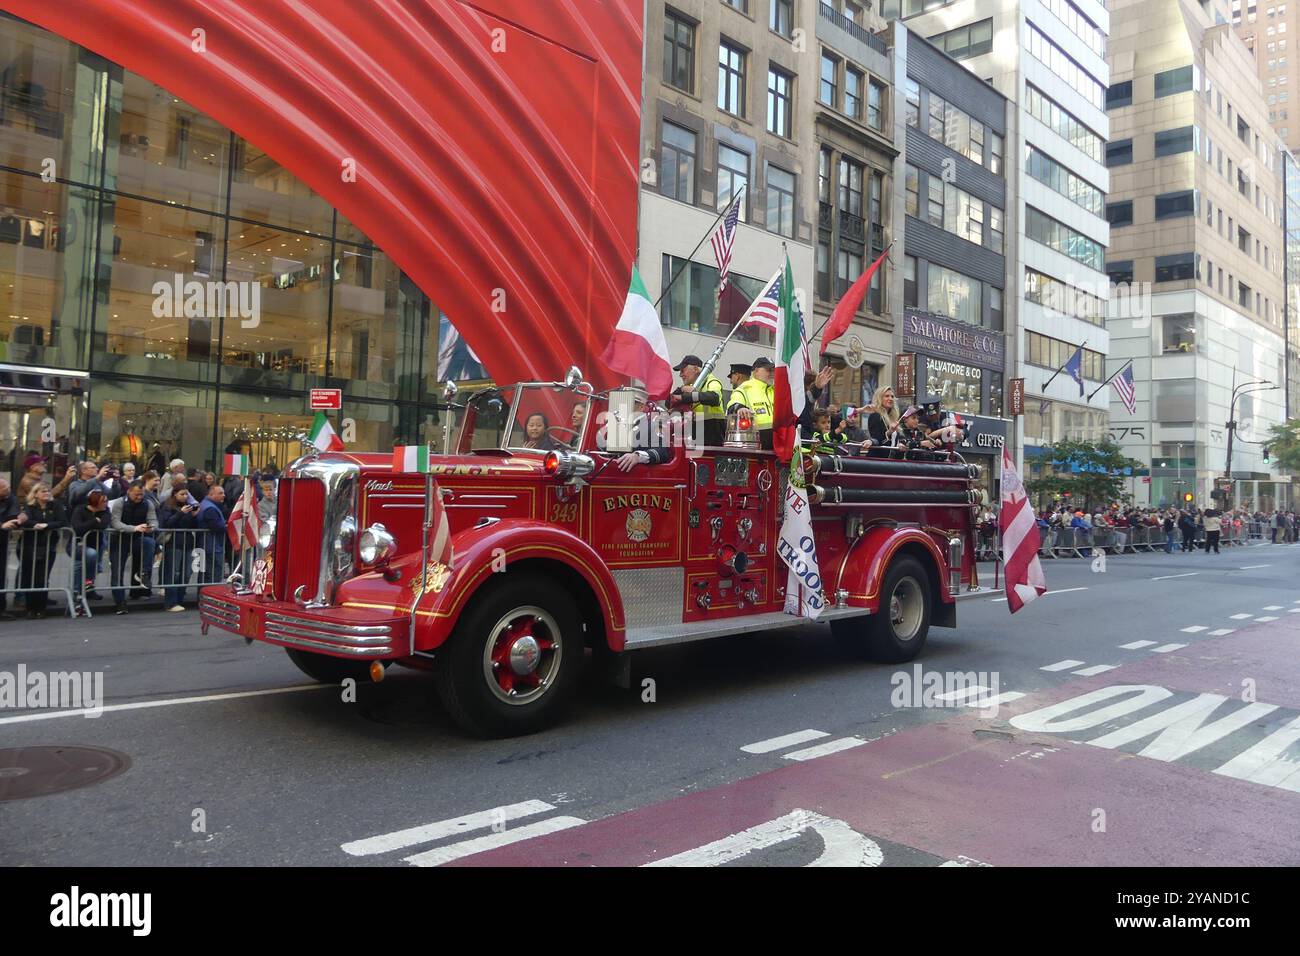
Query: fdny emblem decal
[[639, 525], [434, 579]]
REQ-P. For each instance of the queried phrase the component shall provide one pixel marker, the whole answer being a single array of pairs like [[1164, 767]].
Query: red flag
[[245, 523], [842, 317], [1024, 573]]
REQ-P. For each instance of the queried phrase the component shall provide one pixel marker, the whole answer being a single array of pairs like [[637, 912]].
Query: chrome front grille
[[361, 640]]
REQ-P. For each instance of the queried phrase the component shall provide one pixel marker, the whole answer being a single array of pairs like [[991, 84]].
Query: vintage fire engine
[[557, 551]]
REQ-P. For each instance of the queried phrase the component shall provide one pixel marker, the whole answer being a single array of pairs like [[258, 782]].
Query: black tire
[[475, 671], [330, 670], [891, 637]]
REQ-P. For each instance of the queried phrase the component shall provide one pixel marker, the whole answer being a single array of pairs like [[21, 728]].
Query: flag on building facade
[[1074, 368], [766, 308], [638, 347], [842, 316], [235, 464], [724, 237], [791, 361], [245, 523], [797, 547], [411, 458], [1127, 392], [322, 435], [1024, 572]]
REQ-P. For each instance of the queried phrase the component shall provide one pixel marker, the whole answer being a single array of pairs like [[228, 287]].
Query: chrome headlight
[[267, 533], [343, 542], [376, 544]]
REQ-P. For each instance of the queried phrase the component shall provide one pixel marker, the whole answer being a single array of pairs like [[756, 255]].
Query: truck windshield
[[545, 418]]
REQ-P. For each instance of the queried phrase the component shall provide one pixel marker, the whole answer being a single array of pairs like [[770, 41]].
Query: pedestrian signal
[[1266, 453], [1187, 496]]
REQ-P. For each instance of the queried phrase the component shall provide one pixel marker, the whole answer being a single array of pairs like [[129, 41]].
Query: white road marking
[[1195, 629], [455, 851], [1166, 577], [822, 750], [1273, 607], [1004, 698], [1241, 617], [1252, 567], [1166, 648], [1094, 669], [963, 692], [1061, 591], [1136, 645], [1293, 610], [1223, 631], [169, 702], [1265, 619], [780, 743], [842, 845], [1061, 666], [400, 839]]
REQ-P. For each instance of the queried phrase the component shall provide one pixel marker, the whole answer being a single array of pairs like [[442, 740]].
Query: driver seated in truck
[[825, 439], [655, 434]]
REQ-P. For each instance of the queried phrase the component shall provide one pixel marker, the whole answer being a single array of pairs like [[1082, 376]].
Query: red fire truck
[[557, 551]]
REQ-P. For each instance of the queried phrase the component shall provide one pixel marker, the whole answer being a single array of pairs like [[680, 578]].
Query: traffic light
[[1266, 453], [1187, 497]]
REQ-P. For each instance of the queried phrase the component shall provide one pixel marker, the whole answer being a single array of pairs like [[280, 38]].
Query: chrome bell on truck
[[741, 432]]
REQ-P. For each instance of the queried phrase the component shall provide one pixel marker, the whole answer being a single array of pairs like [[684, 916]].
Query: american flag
[[724, 237], [1124, 385], [766, 309]]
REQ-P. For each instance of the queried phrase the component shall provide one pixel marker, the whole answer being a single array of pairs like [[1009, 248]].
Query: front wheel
[[897, 632], [513, 661]]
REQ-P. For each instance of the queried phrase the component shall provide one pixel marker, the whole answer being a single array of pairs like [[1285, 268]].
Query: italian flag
[[236, 464], [411, 458], [638, 348], [791, 360], [322, 435]]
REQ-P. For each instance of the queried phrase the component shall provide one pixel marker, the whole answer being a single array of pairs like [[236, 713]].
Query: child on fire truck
[[827, 440]]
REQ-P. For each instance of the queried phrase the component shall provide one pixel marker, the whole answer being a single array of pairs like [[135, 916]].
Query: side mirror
[[449, 391], [573, 377]]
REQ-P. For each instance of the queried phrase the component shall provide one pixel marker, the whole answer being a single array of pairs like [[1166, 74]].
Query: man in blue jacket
[[212, 518]]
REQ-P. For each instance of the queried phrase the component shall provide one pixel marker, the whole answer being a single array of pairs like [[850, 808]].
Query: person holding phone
[[178, 515]]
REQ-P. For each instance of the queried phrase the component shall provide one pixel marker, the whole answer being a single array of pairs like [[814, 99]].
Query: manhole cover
[[40, 771]]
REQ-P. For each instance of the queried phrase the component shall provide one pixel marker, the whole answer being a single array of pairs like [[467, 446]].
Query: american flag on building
[[763, 311], [1124, 385], [724, 237]]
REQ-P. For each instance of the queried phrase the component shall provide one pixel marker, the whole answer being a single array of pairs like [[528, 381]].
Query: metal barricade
[[1044, 539], [131, 566], [1074, 541], [35, 566]]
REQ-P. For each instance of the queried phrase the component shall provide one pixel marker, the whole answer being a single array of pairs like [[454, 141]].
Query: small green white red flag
[[322, 435], [411, 458], [235, 464], [791, 361]]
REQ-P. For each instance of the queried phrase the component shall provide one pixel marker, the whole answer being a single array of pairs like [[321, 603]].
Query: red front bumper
[[354, 633]]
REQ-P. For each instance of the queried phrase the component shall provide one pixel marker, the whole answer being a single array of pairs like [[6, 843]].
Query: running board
[[639, 638]]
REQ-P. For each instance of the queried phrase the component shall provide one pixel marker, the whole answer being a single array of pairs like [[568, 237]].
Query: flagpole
[[1109, 380], [708, 232], [828, 318], [1067, 362]]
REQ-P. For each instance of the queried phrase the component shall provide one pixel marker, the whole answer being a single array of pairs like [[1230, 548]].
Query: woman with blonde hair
[[884, 420], [36, 549]]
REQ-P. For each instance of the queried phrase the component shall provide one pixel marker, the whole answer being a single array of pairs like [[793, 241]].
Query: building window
[[912, 94], [1120, 213], [823, 278], [1119, 94], [934, 206], [731, 79], [1176, 205], [848, 266], [1120, 271], [741, 5], [852, 92], [876, 105], [782, 20], [1065, 298], [733, 176], [1050, 113], [778, 102], [850, 194], [909, 281], [974, 39], [1056, 60], [957, 296], [830, 71], [1175, 268], [912, 185], [1061, 180], [677, 172], [1119, 152], [997, 239], [692, 302], [1056, 235], [995, 154], [1171, 141], [1171, 82], [824, 175], [679, 51], [780, 201]]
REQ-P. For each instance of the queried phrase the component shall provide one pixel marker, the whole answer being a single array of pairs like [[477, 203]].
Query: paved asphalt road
[[769, 749]]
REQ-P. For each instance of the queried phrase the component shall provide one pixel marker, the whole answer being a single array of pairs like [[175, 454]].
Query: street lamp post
[[1262, 385]]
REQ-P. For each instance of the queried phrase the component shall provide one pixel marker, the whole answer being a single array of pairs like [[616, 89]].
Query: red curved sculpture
[[494, 142]]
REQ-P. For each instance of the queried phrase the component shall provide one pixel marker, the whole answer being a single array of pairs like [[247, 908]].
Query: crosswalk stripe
[[1166, 648], [1273, 607], [1195, 629], [1094, 669], [1003, 698], [1265, 619], [963, 692], [822, 750], [445, 854], [1135, 645], [1223, 632], [780, 743], [400, 839], [1240, 617], [1061, 666]]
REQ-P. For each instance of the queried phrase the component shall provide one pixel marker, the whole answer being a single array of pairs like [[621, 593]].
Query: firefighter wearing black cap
[[739, 372], [756, 393], [943, 428], [704, 397]]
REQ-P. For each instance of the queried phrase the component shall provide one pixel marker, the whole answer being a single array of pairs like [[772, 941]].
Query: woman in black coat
[[42, 517], [90, 520]]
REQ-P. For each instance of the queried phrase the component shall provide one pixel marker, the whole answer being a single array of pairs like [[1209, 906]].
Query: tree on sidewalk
[[1283, 444], [1088, 473]]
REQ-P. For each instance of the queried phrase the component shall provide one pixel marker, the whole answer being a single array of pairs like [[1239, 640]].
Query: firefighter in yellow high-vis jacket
[[756, 393]]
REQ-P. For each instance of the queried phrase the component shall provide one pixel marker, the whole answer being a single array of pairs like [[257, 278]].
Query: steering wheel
[[551, 429]]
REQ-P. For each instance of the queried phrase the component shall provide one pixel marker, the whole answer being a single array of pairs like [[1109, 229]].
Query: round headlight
[[376, 544], [267, 533]]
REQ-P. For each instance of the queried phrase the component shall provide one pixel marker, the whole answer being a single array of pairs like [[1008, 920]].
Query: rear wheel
[[330, 670], [512, 664], [897, 632]]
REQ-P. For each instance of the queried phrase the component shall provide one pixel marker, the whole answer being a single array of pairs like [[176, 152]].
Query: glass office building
[[124, 215]]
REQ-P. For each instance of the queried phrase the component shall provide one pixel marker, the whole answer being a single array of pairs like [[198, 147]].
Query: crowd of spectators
[[147, 530]]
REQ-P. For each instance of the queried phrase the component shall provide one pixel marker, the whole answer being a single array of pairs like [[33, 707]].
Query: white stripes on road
[[1094, 669], [1241, 617], [1265, 619], [822, 750], [1060, 591], [963, 692], [780, 743], [1223, 632], [1273, 607], [1254, 567], [1004, 698], [1137, 645], [445, 854], [1166, 648], [1166, 577], [169, 702], [1061, 665], [1195, 629]]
